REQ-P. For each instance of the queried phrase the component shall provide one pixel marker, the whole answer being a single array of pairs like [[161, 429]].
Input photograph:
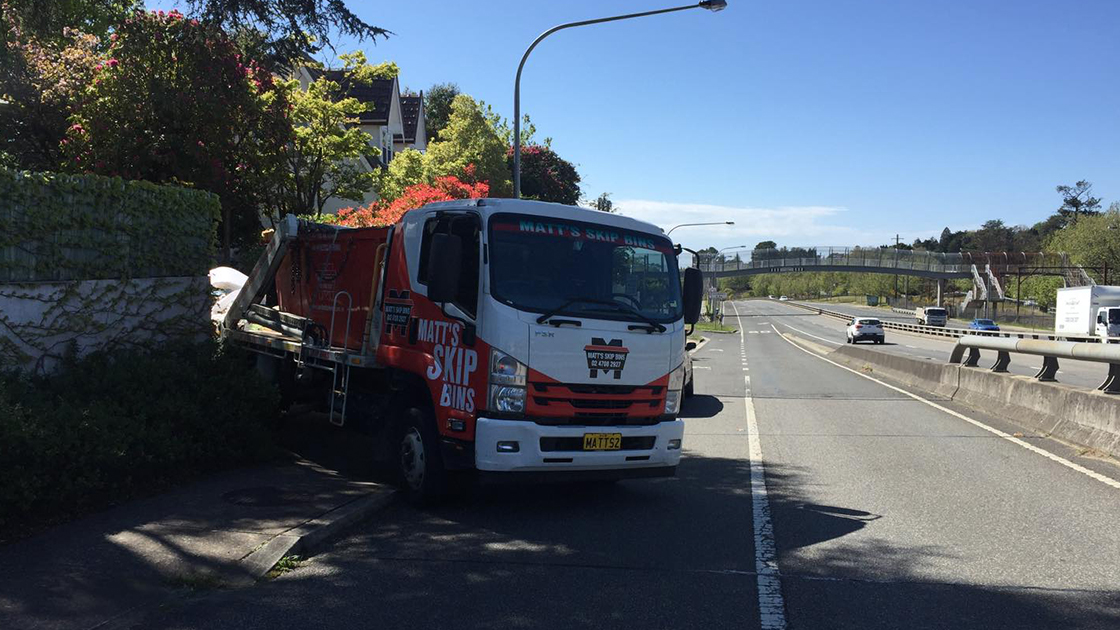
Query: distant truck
[[931, 315], [1086, 311]]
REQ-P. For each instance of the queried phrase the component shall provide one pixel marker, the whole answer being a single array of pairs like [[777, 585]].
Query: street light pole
[[711, 5], [694, 224]]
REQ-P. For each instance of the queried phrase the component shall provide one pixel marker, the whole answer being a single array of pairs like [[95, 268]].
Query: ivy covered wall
[[90, 262]]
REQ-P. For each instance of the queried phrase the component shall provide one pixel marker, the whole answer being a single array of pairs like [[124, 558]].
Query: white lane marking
[[911, 347], [835, 343], [1108, 481], [771, 605], [701, 367]]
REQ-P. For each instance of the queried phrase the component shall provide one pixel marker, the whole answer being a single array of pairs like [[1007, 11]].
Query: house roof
[[378, 95], [411, 108]]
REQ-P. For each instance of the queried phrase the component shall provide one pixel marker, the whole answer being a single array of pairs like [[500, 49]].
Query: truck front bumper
[[531, 457]]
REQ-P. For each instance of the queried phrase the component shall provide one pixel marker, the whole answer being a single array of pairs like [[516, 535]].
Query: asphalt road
[[830, 331], [809, 497]]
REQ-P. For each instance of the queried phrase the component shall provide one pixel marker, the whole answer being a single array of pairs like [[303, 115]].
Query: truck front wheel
[[419, 462]]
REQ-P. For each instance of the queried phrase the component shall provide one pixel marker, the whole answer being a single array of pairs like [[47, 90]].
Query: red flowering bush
[[382, 214], [177, 101]]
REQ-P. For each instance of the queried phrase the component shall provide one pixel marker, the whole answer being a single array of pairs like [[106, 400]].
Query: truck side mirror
[[444, 267], [693, 294]]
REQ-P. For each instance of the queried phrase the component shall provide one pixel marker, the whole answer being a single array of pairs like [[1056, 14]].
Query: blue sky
[[810, 122]]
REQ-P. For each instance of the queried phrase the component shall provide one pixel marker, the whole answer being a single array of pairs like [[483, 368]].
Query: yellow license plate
[[602, 441]]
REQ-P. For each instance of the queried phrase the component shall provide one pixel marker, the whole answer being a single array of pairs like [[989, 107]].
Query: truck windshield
[[538, 264], [936, 312], [1114, 315]]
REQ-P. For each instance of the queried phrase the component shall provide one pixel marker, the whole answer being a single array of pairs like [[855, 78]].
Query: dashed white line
[[771, 605]]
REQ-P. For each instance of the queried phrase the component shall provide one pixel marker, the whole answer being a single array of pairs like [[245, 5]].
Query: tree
[[42, 83], [766, 245], [176, 102], [1078, 200], [406, 169], [324, 160], [946, 238], [603, 203], [1094, 241], [929, 244], [993, 236], [291, 29], [437, 107], [382, 213], [47, 21], [546, 176], [470, 149]]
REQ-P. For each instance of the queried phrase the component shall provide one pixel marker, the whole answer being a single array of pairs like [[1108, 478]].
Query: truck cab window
[[467, 228]]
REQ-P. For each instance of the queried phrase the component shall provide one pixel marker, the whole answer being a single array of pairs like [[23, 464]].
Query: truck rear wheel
[[419, 461]]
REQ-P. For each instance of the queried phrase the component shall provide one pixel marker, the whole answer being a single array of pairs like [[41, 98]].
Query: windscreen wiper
[[568, 302], [649, 325]]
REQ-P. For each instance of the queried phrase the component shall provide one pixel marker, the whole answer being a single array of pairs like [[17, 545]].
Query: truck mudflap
[[525, 446]]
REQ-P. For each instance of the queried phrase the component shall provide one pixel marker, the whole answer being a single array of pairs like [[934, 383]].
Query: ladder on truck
[[287, 333]]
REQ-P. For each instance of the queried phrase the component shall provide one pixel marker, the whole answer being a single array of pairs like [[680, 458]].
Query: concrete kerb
[[309, 537], [1082, 417]]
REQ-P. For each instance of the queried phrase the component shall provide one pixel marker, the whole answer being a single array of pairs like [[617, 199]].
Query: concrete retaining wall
[[41, 322], [1085, 417]]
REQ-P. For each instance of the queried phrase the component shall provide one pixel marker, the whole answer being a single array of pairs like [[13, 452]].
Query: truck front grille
[[599, 403]]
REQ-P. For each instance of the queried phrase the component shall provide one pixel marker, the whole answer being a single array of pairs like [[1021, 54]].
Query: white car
[[865, 329], [783, 299]]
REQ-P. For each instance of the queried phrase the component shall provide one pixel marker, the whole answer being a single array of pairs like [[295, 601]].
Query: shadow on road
[[701, 406], [668, 553]]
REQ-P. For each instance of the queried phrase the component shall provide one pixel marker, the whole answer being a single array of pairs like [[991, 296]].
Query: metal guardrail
[[945, 331], [1051, 351]]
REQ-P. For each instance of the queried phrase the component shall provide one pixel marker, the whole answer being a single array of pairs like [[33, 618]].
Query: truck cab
[[551, 338], [1108, 323], [931, 316]]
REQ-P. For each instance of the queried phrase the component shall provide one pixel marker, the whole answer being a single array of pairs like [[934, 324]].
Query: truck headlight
[[506, 370], [508, 377], [673, 395]]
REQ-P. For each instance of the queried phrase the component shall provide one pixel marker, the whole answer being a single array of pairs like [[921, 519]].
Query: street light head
[[729, 222], [714, 5]]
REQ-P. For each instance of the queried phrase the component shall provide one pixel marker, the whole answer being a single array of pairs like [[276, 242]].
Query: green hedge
[[87, 227], [107, 427]]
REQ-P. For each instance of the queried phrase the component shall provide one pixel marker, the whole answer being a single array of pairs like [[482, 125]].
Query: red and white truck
[[510, 337]]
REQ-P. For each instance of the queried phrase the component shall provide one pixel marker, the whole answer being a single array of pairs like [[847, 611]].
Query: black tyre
[[420, 469], [689, 390]]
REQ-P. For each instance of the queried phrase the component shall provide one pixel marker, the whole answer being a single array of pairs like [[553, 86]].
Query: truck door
[[457, 359]]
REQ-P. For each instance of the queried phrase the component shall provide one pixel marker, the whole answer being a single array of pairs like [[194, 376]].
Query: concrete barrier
[[928, 376], [1084, 417]]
